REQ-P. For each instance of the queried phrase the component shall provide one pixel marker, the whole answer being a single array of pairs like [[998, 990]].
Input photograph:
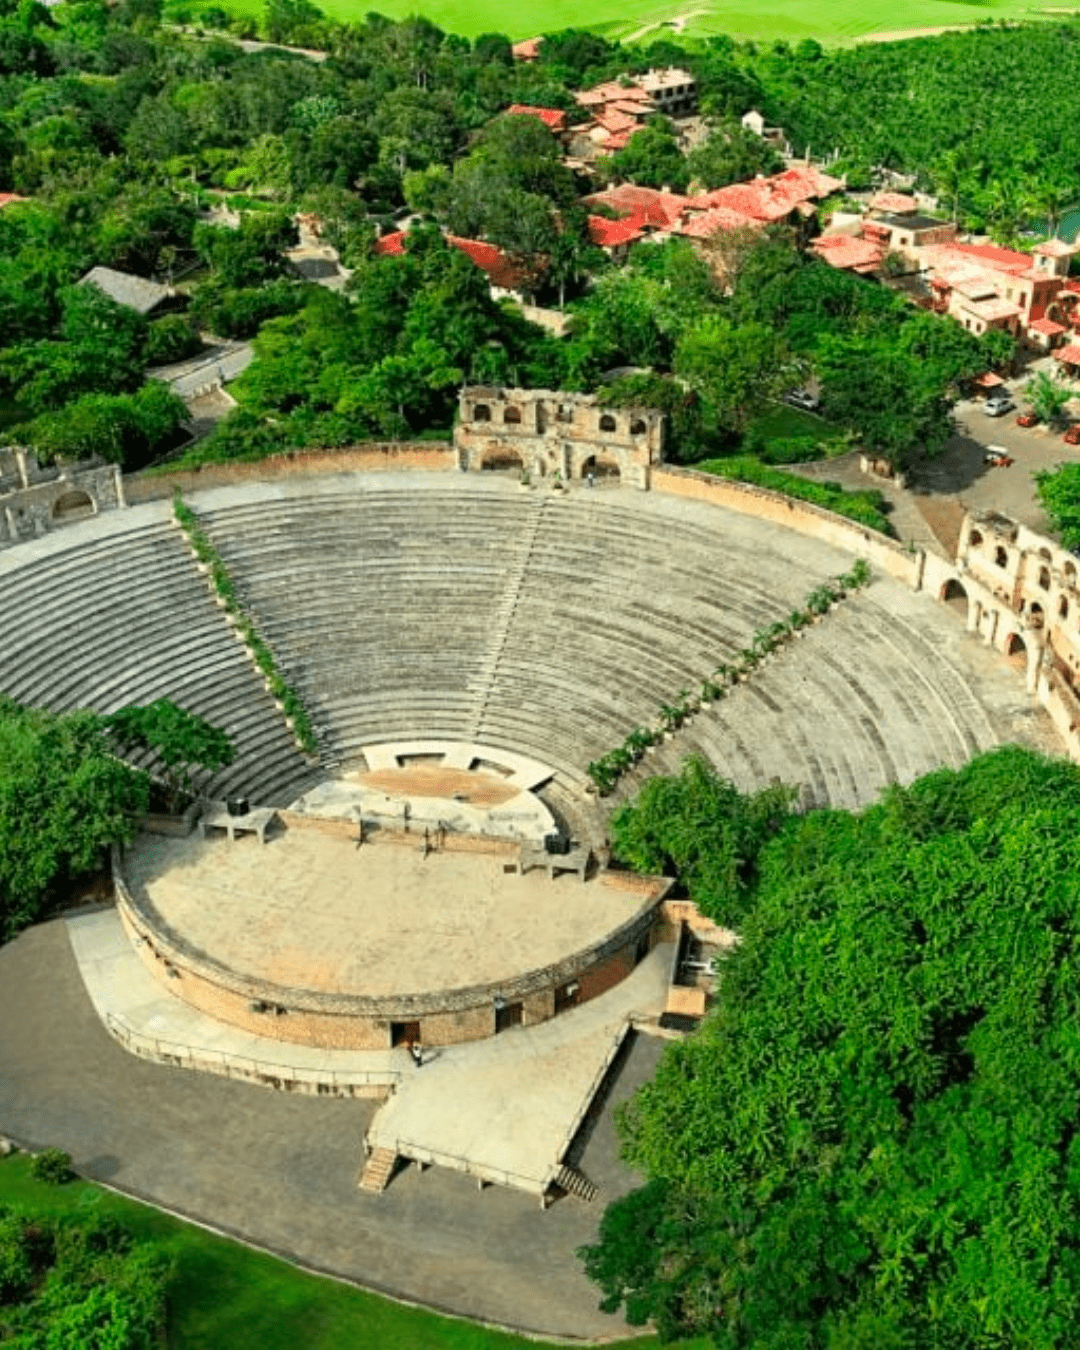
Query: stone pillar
[[20, 465], [12, 528], [118, 483]]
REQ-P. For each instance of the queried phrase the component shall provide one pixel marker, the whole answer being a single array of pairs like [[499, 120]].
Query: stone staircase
[[572, 1182], [377, 1170]]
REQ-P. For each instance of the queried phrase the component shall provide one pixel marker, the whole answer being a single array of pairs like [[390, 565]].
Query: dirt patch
[[479, 789]]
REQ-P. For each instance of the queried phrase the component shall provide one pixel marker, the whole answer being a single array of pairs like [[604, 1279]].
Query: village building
[[527, 51], [774, 136], [787, 197], [553, 118], [616, 109], [506, 278], [144, 297]]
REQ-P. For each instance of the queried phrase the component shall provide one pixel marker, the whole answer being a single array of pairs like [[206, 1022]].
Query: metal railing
[[499, 1176], [231, 1065]]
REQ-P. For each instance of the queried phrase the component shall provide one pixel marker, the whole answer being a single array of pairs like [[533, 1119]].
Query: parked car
[[997, 457], [998, 407], [802, 398], [1027, 419], [1072, 436]]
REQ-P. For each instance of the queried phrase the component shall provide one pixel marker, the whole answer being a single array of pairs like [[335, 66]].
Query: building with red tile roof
[[894, 204], [529, 50], [848, 253], [616, 236], [503, 273], [553, 118]]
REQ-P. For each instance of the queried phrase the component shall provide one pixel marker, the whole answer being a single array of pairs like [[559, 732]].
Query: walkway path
[[281, 1169], [503, 1109]]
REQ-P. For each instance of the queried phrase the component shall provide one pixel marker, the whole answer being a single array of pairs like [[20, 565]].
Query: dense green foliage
[[183, 744], [873, 1139], [867, 508], [64, 798], [78, 1281], [1059, 492], [225, 1294]]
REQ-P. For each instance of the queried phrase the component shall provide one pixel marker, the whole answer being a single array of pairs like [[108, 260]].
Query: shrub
[[52, 1166]]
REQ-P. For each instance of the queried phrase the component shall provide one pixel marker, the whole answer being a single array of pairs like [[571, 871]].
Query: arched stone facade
[[34, 500], [558, 433]]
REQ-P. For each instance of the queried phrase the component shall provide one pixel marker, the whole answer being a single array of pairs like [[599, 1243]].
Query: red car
[[1072, 436], [1027, 419]]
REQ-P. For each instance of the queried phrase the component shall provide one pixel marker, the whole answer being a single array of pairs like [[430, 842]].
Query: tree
[[185, 746], [737, 370], [731, 154], [1059, 493], [870, 1140], [251, 254], [64, 798], [1046, 396], [650, 157], [686, 438]]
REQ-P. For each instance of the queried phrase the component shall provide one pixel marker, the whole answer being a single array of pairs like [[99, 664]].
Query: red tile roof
[[1045, 326], [1070, 355], [390, 244], [841, 250], [611, 233], [616, 122], [553, 118], [528, 50], [988, 380], [895, 203], [501, 271], [662, 209], [1002, 259], [704, 224]]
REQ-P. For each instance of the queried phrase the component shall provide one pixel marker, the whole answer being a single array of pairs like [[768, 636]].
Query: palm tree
[[1051, 198]]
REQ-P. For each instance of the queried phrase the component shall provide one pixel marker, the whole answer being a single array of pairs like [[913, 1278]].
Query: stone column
[[20, 464], [12, 529], [118, 483]]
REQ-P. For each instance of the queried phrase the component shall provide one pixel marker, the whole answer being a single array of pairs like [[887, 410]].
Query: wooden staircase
[[573, 1182], [377, 1170]]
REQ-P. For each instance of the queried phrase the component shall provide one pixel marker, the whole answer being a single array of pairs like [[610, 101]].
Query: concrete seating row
[[128, 619]]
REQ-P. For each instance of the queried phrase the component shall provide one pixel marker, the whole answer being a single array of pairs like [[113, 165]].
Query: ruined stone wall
[[544, 432], [44, 499]]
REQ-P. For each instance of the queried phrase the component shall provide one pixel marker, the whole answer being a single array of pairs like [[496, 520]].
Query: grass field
[[226, 1295], [826, 20]]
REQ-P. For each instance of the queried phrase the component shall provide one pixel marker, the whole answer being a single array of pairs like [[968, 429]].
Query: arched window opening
[[1044, 578], [512, 415], [481, 413], [638, 427], [974, 539], [1001, 557], [954, 595], [1063, 608], [607, 422], [1016, 652]]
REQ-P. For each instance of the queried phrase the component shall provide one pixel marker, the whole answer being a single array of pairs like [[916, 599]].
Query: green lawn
[[227, 1295], [784, 423], [822, 19]]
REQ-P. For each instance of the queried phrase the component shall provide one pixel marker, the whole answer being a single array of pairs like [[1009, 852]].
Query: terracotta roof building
[[504, 275], [848, 254], [529, 50], [553, 118]]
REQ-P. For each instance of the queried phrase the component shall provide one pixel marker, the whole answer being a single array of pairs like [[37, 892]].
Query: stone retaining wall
[[424, 455], [364, 1022]]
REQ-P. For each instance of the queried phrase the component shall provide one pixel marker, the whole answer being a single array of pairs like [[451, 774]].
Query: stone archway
[[73, 505], [602, 467], [1016, 653], [503, 459], [954, 595]]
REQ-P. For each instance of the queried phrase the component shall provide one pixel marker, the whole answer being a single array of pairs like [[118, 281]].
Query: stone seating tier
[[128, 619]]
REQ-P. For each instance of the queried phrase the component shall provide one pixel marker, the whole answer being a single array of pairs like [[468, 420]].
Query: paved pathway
[[506, 1105], [281, 1169]]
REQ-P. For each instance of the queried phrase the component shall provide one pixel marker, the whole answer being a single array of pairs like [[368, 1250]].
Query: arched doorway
[[502, 460], [1016, 653], [954, 595], [601, 467], [73, 505]]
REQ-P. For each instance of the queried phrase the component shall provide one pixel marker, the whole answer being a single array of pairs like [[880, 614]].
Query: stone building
[[543, 432], [34, 500], [1018, 591]]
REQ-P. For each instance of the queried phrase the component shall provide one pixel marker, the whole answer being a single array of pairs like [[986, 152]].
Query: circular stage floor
[[309, 910]]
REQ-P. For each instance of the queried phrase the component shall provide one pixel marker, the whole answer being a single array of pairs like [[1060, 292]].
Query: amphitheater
[[466, 644]]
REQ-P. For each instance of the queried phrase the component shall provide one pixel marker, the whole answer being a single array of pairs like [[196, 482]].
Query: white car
[[998, 407], [801, 398]]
